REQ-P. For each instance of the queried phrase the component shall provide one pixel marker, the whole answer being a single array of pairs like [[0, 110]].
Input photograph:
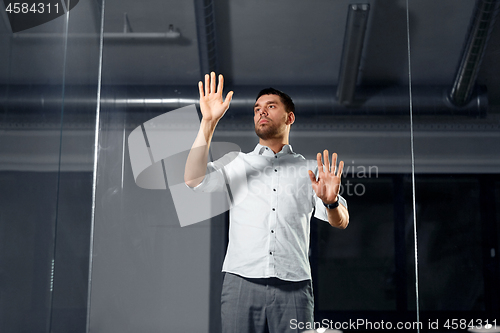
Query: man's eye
[[271, 106]]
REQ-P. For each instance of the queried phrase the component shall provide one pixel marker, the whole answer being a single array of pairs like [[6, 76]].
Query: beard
[[268, 130]]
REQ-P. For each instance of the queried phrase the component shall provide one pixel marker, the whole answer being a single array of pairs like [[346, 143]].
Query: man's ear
[[290, 118]]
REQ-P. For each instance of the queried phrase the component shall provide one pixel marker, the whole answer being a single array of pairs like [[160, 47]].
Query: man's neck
[[275, 144]]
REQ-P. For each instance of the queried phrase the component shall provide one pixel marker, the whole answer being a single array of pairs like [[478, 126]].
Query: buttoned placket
[[273, 217]]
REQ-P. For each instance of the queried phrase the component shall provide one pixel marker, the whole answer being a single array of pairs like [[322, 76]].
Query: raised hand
[[328, 184], [211, 104]]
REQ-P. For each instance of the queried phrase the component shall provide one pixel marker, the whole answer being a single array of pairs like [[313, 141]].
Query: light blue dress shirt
[[272, 203]]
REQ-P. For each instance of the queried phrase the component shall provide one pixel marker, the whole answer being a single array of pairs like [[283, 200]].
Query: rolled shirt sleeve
[[213, 181]]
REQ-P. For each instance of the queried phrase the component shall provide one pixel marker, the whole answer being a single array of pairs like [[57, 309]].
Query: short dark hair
[[285, 99]]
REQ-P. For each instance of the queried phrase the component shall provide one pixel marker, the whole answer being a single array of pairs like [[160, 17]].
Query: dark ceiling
[[295, 46], [261, 43]]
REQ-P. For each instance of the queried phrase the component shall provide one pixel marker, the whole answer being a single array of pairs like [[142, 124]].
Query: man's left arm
[[327, 188], [338, 217]]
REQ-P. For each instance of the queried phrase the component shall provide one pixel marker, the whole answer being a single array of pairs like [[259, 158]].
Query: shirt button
[[275, 156], [275, 170], [272, 231], [270, 253], [274, 209], [274, 189]]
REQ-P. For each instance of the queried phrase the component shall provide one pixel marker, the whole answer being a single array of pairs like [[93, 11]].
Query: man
[[267, 283]]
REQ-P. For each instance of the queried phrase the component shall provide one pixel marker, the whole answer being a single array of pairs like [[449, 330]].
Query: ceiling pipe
[[479, 31], [127, 34], [170, 34], [357, 18], [309, 100]]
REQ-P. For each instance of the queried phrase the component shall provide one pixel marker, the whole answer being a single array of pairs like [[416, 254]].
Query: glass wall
[[148, 273], [457, 166], [48, 79], [151, 270]]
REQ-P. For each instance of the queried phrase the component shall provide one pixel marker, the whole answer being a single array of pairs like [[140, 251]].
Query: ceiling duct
[[357, 18], [207, 42], [480, 28], [309, 100]]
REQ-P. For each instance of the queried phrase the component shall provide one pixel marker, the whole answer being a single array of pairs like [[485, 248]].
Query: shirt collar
[[266, 151]]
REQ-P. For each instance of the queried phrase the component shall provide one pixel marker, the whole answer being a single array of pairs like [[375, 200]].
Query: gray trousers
[[265, 305]]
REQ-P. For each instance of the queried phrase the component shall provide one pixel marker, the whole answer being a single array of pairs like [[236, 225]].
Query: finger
[[312, 177], [341, 168], [212, 82], [320, 165], [200, 88], [228, 99], [327, 160], [334, 163], [207, 84], [220, 86]]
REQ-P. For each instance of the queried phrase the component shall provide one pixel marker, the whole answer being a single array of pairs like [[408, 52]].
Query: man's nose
[[263, 111]]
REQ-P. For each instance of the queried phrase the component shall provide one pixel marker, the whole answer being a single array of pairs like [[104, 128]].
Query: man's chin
[[264, 135]]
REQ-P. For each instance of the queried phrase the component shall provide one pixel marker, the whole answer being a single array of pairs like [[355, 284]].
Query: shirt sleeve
[[320, 209], [213, 181], [216, 176]]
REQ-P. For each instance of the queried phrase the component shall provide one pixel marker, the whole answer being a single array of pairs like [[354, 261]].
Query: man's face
[[270, 117]]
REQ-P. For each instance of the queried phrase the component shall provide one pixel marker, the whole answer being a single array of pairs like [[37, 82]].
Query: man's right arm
[[213, 108], [196, 164]]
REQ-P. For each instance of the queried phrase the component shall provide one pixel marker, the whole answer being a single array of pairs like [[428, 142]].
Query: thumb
[[312, 177], [228, 99]]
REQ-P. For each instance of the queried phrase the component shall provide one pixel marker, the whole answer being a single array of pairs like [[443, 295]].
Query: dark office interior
[[406, 92]]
